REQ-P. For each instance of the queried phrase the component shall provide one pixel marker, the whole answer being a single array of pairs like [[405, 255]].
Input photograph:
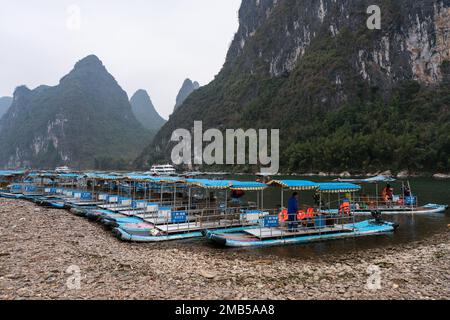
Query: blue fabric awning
[[298, 185], [327, 187], [42, 174], [227, 184], [157, 179], [137, 177], [169, 179], [210, 184], [8, 173], [338, 187], [102, 176], [69, 175], [247, 186]]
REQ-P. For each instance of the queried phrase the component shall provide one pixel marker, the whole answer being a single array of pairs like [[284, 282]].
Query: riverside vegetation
[[344, 97]]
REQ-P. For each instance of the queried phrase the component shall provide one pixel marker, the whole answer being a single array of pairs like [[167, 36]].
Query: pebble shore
[[38, 245]]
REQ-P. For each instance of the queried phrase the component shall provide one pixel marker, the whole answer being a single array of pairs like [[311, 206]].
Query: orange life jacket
[[345, 208], [301, 215], [283, 216], [310, 213]]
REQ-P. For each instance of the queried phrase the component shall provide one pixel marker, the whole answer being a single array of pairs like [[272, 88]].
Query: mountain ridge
[[5, 103], [85, 122]]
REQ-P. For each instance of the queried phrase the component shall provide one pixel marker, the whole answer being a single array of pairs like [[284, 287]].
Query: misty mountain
[[85, 121], [145, 112], [186, 89]]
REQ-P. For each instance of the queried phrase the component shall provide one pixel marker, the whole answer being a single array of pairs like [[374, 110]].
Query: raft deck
[[196, 226], [268, 233], [163, 221], [116, 208], [84, 203]]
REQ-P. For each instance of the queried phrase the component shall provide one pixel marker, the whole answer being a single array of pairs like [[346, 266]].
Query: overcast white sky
[[145, 44]]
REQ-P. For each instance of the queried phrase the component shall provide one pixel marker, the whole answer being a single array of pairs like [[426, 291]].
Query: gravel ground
[[38, 246]]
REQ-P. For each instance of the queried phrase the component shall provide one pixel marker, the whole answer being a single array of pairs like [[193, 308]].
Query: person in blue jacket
[[292, 211]]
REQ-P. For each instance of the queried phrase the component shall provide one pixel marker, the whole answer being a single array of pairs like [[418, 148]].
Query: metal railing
[[318, 225], [203, 219], [376, 203]]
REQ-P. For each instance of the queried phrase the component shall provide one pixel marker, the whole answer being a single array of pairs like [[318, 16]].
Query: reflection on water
[[412, 227]]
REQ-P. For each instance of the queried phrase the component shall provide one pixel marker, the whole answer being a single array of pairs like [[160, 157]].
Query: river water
[[412, 227]]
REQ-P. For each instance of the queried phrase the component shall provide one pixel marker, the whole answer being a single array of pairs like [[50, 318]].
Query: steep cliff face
[[294, 64], [145, 111], [5, 103], [82, 121], [186, 89], [413, 41]]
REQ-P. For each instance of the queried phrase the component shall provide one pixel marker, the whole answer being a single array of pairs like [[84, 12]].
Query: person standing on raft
[[292, 211], [388, 195]]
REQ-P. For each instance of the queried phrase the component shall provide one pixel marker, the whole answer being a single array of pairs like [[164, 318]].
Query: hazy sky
[[148, 44]]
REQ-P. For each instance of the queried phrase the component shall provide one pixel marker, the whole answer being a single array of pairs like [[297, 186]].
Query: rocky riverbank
[[38, 246]]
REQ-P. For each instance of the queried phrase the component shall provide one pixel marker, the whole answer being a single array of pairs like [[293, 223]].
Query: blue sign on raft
[[86, 196], [139, 204], [411, 201], [179, 216], [271, 222]]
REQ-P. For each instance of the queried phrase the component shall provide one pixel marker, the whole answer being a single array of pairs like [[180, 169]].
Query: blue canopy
[[168, 179], [227, 184], [8, 173], [338, 187], [247, 186], [69, 175], [102, 176], [42, 174], [157, 179], [210, 184], [138, 177], [33, 174], [299, 185]]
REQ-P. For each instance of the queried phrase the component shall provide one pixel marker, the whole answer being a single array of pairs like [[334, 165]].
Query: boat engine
[[376, 214]]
